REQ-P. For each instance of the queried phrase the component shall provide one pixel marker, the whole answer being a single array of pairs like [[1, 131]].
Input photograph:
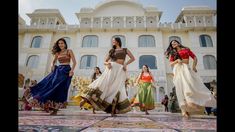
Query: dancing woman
[[190, 90], [108, 91], [51, 92], [144, 97], [86, 105]]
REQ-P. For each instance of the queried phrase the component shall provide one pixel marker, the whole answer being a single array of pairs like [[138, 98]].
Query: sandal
[[54, 112], [186, 115]]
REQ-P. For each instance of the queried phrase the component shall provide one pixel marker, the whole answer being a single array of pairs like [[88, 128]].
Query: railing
[[113, 26], [55, 27]]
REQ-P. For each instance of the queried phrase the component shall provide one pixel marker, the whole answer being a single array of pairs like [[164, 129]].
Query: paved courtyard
[[73, 119]]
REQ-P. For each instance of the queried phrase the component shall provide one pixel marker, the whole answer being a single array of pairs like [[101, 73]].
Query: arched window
[[205, 41], [90, 41], [123, 39], [32, 61], [209, 62], [88, 62], [36, 43], [146, 41], [148, 60]]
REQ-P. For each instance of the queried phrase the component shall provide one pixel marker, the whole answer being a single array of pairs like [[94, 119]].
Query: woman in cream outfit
[[108, 92], [190, 90]]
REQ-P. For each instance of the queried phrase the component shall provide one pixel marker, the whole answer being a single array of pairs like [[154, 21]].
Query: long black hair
[[56, 47], [111, 52], [94, 75], [170, 51], [143, 70]]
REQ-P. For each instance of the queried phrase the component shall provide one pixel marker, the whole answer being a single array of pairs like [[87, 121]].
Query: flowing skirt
[[77, 99], [145, 98], [190, 90], [53, 89], [108, 92]]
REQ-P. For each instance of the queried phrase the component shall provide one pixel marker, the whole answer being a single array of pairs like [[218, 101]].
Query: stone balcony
[[156, 26]]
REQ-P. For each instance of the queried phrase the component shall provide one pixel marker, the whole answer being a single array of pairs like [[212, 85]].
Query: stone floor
[[74, 120]]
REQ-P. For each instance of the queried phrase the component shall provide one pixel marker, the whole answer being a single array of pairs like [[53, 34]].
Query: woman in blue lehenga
[[51, 92]]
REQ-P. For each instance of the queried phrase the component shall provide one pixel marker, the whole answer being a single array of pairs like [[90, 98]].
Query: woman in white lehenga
[[108, 91], [190, 90]]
